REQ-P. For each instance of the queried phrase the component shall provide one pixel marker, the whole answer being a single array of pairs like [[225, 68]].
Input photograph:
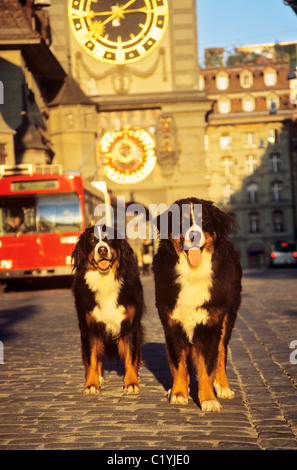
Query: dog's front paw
[[211, 405], [177, 398], [223, 392], [132, 389], [91, 390]]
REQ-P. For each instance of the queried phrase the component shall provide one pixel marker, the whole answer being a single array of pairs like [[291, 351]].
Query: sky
[[232, 23]]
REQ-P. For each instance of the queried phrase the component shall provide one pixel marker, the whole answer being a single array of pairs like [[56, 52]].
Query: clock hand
[[104, 13], [117, 12], [123, 7]]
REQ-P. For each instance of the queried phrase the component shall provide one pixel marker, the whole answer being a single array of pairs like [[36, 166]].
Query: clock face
[[118, 32], [129, 155]]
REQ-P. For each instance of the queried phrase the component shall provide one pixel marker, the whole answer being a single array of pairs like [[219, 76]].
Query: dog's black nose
[[102, 251], [194, 236]]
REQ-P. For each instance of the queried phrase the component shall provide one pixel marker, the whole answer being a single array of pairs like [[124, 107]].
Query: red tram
[[41, 216]]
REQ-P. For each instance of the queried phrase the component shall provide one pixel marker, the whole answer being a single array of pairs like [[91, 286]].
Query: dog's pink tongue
[[195, 256], [104, 264]]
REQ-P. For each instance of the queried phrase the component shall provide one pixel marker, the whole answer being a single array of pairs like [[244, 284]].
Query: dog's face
[[194, 226], [95, 250]]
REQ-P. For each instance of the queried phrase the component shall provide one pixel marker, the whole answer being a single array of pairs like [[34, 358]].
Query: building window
[[68, 119], [250, 164], [276, 191], [254, 222], [272, 104], [222, 81], [224, 105], [225, 141], [228, 194], [3, 154], [273, 136], [275, 163], [249, 139], [201, 82], [270, 77], [278, 221], [253, 193], [227, 165], [246, 79], [248, 104]]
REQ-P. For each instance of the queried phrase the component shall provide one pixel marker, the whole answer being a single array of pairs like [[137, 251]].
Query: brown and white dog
[[109, 302], [198, 294]]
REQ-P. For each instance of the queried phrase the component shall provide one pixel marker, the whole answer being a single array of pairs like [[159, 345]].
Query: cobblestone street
[[42, 378]]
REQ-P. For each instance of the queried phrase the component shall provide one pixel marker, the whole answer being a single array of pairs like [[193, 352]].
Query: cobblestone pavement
[[42, 405]]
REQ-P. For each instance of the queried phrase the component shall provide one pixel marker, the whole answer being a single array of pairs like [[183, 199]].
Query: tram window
[[17, 215], [56, 214]]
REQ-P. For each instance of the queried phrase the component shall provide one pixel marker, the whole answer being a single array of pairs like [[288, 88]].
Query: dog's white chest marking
[[106, 290], [195, 291]]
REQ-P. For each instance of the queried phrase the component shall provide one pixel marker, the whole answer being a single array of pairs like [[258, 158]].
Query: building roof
[[16, 32], [14, 23], [71, 94], [30, 136]]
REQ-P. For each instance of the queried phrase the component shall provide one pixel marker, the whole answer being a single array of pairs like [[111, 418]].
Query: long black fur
[[225, 292], [130, 294]]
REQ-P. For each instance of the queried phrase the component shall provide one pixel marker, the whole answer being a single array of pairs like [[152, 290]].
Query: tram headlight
[[68, 260], [6, 264]]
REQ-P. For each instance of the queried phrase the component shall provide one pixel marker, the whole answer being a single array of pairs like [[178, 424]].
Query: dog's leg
[[221, 384], [206, 396], [92, 359], [181, 379], [131, 380]]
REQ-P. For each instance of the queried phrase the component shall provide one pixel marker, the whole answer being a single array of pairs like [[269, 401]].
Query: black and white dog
[[198, 293], [109, 302]]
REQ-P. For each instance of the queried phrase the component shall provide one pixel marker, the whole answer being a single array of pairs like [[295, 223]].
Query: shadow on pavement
[[39, 284], [9, 317], [155, 359]]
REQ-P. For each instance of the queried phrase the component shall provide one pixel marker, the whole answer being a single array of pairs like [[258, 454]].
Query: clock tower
[[138, 61]]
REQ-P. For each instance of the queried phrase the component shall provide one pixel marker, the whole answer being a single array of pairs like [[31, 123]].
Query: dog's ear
[[127, 255], [224, 224], [80, 252]]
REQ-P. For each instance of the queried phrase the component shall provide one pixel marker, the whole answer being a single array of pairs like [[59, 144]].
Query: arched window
[[253, 193], [272, 103], [248, 103], [276, 191], [275, 162], [250, 164], [270, 77], [201, 82], [222, 80], [278, 221], [246, 79], [254, 222], [228, 194], [227, 165], [224, 105], [225, 140]]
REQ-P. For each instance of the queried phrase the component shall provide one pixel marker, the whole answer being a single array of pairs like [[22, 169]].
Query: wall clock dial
[[118, 32], [129, 155]]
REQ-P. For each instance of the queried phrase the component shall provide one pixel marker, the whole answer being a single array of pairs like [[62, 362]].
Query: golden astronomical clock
[[118, 32], [129, 155]]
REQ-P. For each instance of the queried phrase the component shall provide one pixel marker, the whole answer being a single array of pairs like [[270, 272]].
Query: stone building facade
[[157, 95], [226, 133], [248, 153]]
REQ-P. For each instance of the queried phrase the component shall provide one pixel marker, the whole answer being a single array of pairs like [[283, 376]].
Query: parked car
[[283, 254]]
